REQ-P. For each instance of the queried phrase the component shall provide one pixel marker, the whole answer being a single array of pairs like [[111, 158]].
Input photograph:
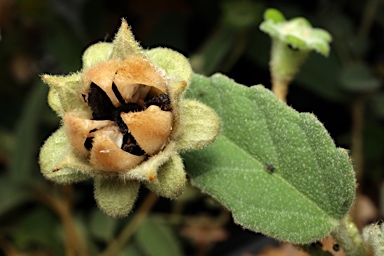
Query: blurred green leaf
[[170, 30], [33, 10], [63, 43], [340, 25], [373, 141], [320, 75], [357, 78], [129, 250], [311, 185], [156, 238], [36, 229], [214, 52], [242, 14], [358, 46], [86, 233], [7, 141], [377, 105], [102, 226], [24, 155], [12, 194]]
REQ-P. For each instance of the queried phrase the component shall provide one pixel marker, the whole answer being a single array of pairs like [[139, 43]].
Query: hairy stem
[[280, 89]]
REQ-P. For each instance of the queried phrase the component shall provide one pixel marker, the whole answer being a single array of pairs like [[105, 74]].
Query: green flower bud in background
[[292, 41], [124, 122]]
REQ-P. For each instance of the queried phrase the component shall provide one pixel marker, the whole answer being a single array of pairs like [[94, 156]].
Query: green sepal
[[69, 89], [115, 197], [54, 101], [96, 53], [199, 125], [147, 170], [124, 43], [175, 64], [274, 15], [171, 179], [56, 151]]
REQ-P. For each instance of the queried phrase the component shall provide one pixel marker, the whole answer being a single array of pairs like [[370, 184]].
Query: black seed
[[161, 100], [88, 143], [317, 245], [117, 93], [133, 149], [130, 107], [103, 109], [120, 123], [130, 145], [100, 103]]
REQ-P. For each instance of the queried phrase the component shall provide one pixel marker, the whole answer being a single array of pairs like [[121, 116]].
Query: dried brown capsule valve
[[128, 113]]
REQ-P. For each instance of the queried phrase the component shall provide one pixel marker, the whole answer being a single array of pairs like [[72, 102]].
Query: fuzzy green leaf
[[277, 170], [23, 155]]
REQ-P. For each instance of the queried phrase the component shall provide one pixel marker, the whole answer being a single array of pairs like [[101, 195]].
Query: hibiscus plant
[[135, 117]]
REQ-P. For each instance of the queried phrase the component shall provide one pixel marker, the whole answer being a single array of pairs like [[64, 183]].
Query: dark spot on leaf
[[270, 168]]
